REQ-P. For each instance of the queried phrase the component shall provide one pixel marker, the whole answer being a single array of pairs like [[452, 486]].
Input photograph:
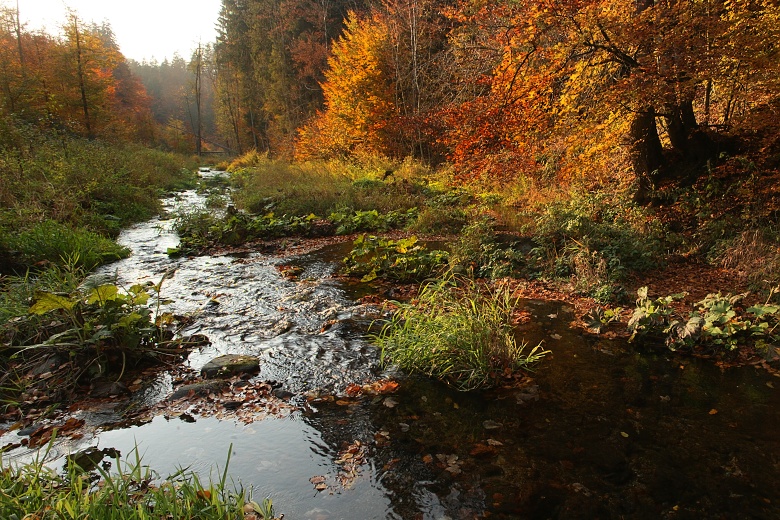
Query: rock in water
[[230, 365]]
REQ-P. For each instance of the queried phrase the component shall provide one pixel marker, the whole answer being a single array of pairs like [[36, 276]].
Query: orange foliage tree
[[603, 85], [359, 100], [79, 83]]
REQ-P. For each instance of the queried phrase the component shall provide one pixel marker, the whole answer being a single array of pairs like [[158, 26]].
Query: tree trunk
[[82, 83], [681, 123], [646, 152]]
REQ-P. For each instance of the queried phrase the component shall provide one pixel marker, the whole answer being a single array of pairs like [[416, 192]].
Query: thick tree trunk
[[646, 152], [681, 123]]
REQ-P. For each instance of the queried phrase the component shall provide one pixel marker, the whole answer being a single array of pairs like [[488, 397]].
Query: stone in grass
[[230, 365]]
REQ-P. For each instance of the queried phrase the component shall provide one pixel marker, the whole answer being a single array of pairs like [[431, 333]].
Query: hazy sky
[[144, 28]]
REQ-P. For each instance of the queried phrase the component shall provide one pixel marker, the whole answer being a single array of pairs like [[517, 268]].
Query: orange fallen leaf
[[481, 450], [204, 494], [353, 390]]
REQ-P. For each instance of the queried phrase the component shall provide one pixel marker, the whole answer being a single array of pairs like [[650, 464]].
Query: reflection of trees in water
[[416, 427], [599, 443]]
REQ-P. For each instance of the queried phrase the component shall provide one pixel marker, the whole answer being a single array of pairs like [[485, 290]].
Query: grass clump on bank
[[341, 188], [132, 492], [458, 333], [58, 189]]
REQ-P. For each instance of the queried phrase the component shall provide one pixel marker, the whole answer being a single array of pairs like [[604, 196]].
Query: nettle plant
[[717, 321]]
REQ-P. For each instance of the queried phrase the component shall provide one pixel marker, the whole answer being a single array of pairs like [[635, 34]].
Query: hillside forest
[[546, 92]]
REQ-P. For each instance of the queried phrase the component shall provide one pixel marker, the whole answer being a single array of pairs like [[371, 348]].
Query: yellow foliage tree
[[358, 91]]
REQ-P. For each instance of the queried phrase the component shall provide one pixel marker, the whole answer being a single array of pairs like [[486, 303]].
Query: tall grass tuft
[[59, 244], [132, 492], [458, 332]]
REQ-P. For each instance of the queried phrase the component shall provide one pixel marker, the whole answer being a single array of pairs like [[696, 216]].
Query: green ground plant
[[478, 252], [402, 260], [459, 332], [717, 322], [85, 332], [202, 229], [348, 222], [596, 239], [129, 491]]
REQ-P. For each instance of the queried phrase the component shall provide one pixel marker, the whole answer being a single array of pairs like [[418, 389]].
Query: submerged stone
[[200, 389], [230, 365]]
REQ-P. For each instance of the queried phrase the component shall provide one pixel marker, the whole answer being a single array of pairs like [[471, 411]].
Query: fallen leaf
[[353, 390], [390, 402], [482, 450], [203, 494], [492, 425]]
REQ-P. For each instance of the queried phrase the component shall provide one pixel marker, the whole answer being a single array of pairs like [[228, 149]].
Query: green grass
[[131, 491], [68, 187], [323, 188], [59, 244], [458, 332]]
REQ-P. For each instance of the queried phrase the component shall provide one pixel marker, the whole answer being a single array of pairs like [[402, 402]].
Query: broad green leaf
[[129, 319], [51, 302], [761, 310], [103, 293]]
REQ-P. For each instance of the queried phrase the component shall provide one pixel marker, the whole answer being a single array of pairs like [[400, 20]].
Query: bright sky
[[144, 29]]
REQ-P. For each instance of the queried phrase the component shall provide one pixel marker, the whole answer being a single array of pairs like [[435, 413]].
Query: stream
[[602, 431]]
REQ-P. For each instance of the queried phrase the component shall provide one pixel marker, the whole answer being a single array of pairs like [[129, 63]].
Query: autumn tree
[[77, 83], [583, 82], [271, 56], [359, 96]]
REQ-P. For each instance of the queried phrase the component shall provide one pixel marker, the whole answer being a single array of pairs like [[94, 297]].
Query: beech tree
[[584, 81]]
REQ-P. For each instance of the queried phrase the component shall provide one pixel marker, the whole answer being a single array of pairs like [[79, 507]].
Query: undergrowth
[[69, 187], [595, 240], [402, 260]]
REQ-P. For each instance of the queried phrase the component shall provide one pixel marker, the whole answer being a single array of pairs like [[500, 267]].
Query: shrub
[[458, 333]]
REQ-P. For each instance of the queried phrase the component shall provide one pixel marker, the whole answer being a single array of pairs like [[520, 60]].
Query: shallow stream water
[[603, 431]]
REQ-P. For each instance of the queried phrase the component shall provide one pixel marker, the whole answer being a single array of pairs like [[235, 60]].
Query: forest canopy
[[640, 90], [636, 91]]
